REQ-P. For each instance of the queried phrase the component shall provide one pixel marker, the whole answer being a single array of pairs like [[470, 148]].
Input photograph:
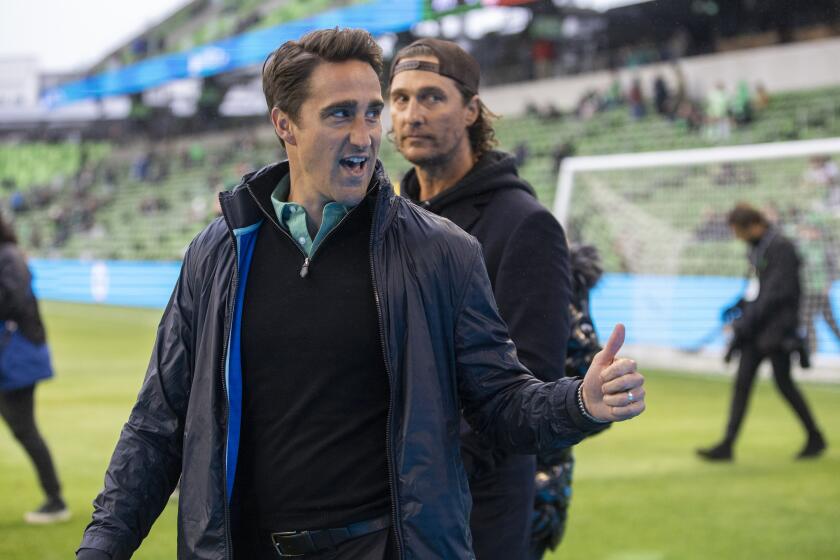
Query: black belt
[[290, 544]]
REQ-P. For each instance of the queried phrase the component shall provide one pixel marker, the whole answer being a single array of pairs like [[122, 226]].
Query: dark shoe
[[814, 448], [54, 510], [720, 452]]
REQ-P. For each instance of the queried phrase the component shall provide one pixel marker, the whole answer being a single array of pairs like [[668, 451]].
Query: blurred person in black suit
[[765, 326]]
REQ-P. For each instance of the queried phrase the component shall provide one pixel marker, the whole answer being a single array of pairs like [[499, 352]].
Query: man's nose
[[360, 133], [414, 113]]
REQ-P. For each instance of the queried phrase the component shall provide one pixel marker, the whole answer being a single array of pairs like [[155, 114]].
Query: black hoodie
[[525, 252]]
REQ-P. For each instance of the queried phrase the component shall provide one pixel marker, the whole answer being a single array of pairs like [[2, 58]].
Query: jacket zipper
[[228, 538], [307, 260], [389, 418]]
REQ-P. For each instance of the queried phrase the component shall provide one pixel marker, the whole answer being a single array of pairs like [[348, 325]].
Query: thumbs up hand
[[612, 388]]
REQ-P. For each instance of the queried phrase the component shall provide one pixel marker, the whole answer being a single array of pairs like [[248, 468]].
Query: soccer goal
[[659, 221]]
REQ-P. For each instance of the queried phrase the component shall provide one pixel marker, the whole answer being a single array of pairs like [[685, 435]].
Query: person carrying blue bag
[[24, 361]]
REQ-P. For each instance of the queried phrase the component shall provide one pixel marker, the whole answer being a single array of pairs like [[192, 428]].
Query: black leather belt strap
[[291, 544]]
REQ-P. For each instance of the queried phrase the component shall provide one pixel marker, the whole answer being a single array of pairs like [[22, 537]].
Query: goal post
[[671, 264]]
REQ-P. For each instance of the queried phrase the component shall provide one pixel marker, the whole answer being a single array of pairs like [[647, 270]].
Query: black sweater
[[315, 388]]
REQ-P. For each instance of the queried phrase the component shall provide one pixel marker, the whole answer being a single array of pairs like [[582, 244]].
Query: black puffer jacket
[[17, 302], [445, 347]]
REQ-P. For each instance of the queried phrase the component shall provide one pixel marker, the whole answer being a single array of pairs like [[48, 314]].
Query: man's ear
[[283, 126], [471, 111]]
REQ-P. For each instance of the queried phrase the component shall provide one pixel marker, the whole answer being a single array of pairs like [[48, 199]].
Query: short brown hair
[[744, 216], [286, 71], [482, 135]]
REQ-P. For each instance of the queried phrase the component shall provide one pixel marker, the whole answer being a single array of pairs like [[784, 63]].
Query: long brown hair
[[481, 132]]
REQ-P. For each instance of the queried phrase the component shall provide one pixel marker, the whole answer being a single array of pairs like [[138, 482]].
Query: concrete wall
[[799, 66]]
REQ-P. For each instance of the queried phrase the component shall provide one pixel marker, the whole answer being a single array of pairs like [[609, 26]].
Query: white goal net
[[659, 223]]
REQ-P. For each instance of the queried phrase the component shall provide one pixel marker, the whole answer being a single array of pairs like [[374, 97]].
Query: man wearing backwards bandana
[[321, 342], [441, 126]]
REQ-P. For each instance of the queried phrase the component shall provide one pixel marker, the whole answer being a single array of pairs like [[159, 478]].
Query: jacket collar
[[241, 208]]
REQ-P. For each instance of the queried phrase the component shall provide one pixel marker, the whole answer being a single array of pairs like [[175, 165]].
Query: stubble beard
[[434, 162]]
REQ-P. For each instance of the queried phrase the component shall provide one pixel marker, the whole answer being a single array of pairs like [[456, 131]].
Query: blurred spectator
[[553, 113], [24, 362], [35, 239], [661, 96], [819, 271], [542, 54], [589, 105], [561, 152], [195, 155], [521, 152], [207, 107], [152, 205], [762, 98], [531, 109], [636, 100], [679, 43], [764, 323], [17, 203], [613, 97], [731, 174], [680, 93], [717, 113], [690, 115], [139, 115], [742, 109], [824, 174], [140, 166], [713, 227]]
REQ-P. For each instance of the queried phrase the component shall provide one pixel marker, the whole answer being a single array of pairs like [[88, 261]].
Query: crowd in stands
[[137, 201], [143, 198], [722, 109]]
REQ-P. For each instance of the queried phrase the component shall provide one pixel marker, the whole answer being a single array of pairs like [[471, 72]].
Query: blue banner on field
[[130, 283], [666, 311], [682, 312], [378, 17]]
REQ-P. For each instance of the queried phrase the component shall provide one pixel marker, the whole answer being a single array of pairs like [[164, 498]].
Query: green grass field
[[639, 493]]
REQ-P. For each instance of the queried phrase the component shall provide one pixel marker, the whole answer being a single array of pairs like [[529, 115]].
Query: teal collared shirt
[[293, 217]]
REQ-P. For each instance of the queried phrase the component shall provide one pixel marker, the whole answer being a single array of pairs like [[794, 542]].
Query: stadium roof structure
[[246, 49]]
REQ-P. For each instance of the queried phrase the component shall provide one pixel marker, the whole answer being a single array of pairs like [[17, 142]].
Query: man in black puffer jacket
[[442, 127], [311, 367]]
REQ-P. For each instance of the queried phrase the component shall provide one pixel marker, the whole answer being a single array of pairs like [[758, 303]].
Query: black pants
[[503, 505], [18, 410], [751, 358], [812, 306]]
